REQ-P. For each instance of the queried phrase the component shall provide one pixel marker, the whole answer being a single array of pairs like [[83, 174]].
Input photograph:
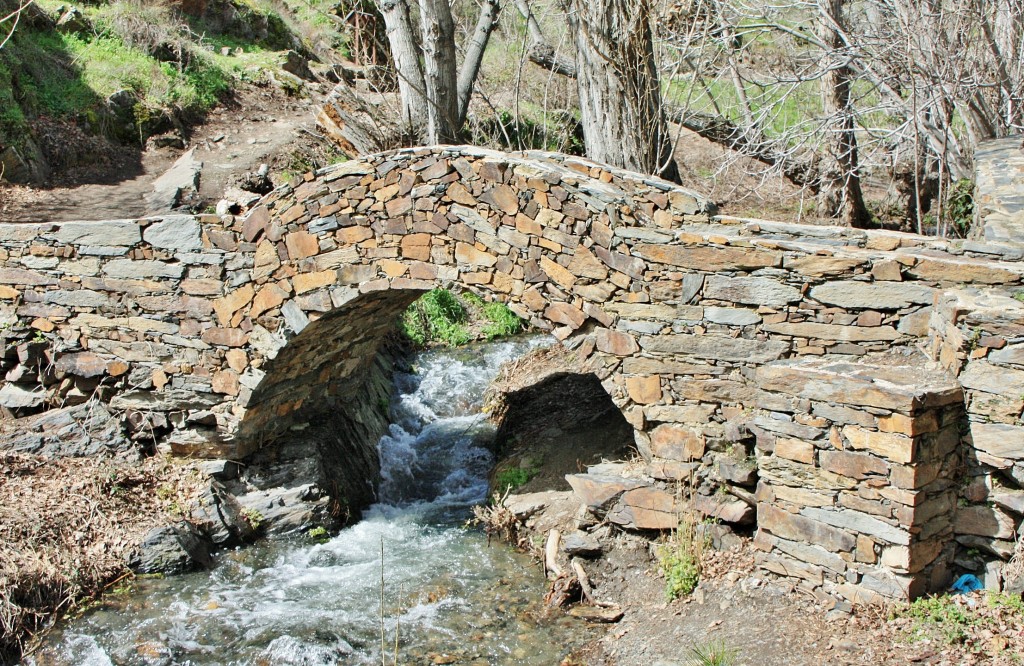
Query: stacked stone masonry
[[219, 334]]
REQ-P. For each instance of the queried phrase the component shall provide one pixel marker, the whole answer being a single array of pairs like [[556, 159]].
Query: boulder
[[173, 549], [171, 188], [220, 518]]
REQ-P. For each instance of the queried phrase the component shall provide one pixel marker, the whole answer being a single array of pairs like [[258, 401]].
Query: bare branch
[[14, 16]]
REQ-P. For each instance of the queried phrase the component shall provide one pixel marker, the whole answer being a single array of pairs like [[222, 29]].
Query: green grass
[[170, 62], [712, 653], [443, 317], [512, 478], [502, 322], [941, 615], [515, 475]]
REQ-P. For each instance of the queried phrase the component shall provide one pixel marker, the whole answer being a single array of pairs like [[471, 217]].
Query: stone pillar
[[858, 483]]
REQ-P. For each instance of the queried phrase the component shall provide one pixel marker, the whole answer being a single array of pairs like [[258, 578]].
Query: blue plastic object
[[966, 584]]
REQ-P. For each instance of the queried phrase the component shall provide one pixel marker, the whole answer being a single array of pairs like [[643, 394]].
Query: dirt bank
[[68, 527]]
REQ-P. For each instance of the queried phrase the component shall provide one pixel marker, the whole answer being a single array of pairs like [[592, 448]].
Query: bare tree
[[826, 91], [435, 93], [840, 191]]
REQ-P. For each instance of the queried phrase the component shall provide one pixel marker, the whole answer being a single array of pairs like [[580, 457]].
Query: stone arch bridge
[[711, 334]]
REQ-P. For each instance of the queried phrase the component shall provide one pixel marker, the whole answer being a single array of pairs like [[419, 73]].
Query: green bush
[[960, 206], [436, 317], [681, 571]]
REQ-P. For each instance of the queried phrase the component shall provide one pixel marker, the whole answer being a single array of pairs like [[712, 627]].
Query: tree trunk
[[617, 78], [439, 71], [405, 52], [840, 192], [485, 24]]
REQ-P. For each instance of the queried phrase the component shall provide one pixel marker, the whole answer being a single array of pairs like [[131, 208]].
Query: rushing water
[[448, 594]]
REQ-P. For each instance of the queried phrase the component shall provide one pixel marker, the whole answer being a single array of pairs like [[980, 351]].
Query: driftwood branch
[[551, 553], [540, 52]]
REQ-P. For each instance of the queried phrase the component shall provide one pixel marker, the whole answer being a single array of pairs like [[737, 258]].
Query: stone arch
[[338, 257]]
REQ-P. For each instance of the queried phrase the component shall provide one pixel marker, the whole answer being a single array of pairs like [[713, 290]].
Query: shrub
[[943, 614], [681, 558], [960, 206], [436, 317]]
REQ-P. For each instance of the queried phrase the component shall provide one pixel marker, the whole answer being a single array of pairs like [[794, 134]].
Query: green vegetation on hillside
[[127, 69]]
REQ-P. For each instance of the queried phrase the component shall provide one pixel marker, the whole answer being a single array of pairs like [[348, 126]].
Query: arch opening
[[553, 419]]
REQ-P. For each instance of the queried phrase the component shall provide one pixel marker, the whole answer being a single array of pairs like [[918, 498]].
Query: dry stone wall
[[224, 333], [979, 336], [860, 471]]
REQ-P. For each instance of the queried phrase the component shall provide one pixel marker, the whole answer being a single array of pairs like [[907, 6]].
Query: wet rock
[[286, 511], [221, 518], [173, 549]]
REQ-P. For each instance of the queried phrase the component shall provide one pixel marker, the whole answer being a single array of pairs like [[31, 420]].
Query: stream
[[450, 597]]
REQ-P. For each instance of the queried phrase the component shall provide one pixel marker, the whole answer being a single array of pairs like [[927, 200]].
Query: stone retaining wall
[[223, 333]]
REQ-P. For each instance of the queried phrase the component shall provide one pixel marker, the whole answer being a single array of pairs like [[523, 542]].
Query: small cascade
[[447, 592]]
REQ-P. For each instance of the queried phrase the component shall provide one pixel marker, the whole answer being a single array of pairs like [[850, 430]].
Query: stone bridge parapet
[[222, 333]]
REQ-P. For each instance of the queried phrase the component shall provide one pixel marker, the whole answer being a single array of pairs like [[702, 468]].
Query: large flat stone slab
[[901, 382]]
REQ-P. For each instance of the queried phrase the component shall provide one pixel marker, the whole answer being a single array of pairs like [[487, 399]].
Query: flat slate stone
[[874, 295], [716, 347], [13, 396], [141, 268], [901, 382], [177, 232], [750, 290], [1000, 440], [116, 233]]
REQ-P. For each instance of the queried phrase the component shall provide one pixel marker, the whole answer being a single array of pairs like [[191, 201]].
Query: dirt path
[[262, 125]]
